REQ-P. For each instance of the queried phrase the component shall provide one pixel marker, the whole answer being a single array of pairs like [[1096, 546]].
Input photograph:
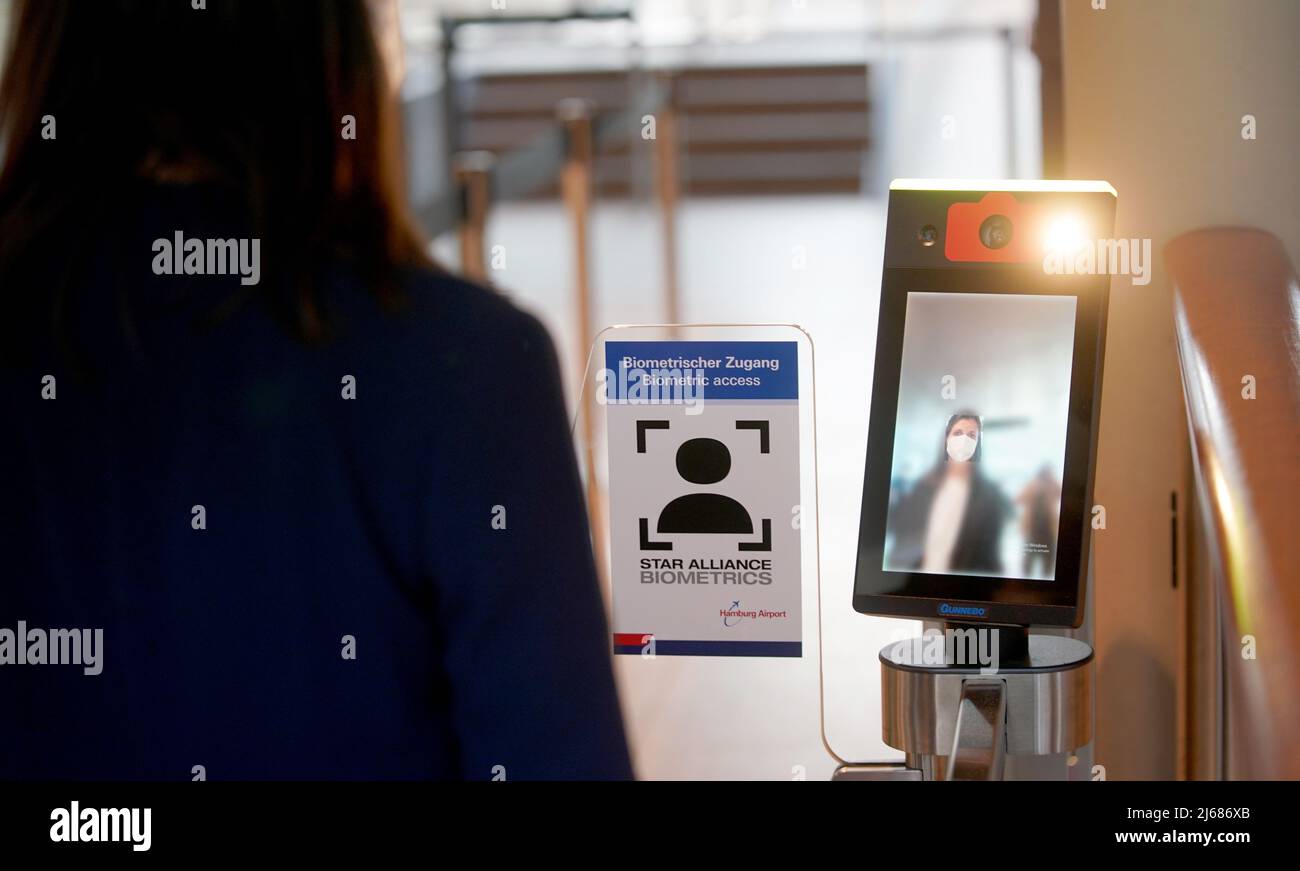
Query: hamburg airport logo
[[732, 615]]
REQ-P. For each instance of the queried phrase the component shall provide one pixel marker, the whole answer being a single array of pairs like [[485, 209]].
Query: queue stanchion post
[[668, 190], [575, 119], [473, 177]]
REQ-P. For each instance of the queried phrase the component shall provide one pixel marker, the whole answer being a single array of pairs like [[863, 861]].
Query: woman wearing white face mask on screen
[[952, 519]]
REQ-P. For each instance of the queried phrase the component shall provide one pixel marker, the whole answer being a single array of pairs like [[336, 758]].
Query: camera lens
[[928, 235], [995, 232]]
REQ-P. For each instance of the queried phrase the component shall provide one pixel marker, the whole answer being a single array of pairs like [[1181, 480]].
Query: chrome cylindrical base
[[1044, 704]]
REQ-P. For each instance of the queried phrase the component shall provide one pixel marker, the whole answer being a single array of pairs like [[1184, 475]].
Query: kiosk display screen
[[979, 440], [977, 499]]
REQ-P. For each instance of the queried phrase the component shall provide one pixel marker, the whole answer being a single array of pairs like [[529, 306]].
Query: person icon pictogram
[[704, 461]]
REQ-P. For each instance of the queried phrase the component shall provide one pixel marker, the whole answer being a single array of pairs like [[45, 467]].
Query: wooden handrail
[[1237, 319]]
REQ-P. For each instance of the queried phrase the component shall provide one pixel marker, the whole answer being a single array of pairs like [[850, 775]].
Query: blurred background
[[728, 162], [788, 120]]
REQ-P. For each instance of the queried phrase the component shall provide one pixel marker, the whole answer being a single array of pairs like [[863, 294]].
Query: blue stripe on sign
[[716, 648], [731, 370]]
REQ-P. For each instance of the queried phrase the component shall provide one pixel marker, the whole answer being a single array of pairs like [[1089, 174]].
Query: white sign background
[[767, 485]]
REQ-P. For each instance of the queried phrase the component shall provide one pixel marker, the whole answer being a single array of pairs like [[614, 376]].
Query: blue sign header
[[708, 370]]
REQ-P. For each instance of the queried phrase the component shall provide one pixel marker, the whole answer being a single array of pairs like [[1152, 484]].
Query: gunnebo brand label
[[704, 497]]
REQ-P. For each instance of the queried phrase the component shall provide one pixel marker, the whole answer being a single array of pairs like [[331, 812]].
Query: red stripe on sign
[[633, 639]]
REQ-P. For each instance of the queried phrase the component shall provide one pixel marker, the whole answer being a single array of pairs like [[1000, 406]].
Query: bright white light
[[1065, 233], [1057, 186]]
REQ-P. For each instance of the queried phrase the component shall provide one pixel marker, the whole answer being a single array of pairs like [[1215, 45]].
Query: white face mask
[[961, 447]]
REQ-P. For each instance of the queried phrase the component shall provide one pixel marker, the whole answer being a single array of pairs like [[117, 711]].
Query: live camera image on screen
[[979, 444]]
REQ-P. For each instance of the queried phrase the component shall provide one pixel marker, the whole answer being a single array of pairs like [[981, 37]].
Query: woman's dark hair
[[947, 431], [249, 94]]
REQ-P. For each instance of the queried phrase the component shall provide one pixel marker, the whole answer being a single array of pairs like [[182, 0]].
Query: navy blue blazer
[[396, 585]]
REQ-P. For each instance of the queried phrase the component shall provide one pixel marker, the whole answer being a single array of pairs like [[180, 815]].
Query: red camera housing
[[962, 243]]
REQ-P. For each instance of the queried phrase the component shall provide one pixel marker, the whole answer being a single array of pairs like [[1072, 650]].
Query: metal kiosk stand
[[971, 294], [960, 722]]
